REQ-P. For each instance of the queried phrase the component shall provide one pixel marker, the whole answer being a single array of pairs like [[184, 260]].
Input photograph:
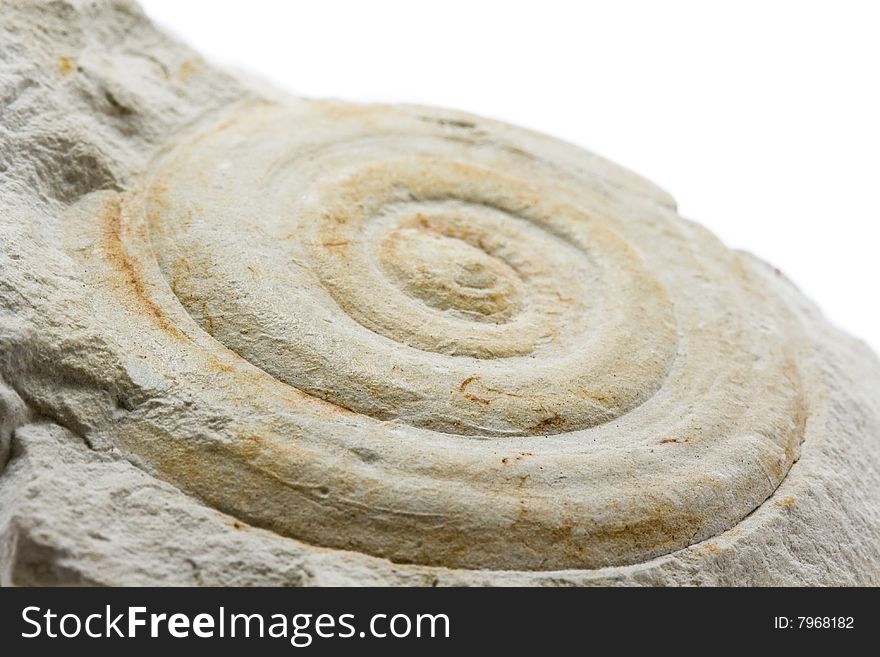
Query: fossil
[[252, 338]]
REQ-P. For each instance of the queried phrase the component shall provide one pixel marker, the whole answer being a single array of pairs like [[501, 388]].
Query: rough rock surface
[[251, 339]]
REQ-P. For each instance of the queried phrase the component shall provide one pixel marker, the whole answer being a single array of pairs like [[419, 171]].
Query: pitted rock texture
[[247, 338]]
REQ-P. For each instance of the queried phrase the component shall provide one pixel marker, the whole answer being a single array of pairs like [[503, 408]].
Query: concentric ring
[[538, 372], [449, 342]]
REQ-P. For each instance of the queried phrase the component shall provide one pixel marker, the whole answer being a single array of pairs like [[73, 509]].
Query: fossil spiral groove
[[481, 354]]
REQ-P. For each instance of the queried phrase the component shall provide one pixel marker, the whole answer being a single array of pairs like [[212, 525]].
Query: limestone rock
[[247, 338]]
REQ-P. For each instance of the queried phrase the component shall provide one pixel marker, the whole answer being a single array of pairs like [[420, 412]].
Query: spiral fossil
[[442, 340], [249, 338]]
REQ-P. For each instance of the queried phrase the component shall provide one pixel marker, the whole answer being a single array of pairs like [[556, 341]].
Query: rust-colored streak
[[474, 398], [127, 270], [561, 533], [555, 422]]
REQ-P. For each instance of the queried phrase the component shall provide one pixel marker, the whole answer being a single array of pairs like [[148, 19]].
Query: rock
[[247, 338]]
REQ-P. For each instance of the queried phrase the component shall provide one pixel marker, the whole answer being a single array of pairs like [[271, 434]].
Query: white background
[[761, 118]]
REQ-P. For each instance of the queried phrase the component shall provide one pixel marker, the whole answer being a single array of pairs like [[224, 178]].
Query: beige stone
[[252, 339]]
